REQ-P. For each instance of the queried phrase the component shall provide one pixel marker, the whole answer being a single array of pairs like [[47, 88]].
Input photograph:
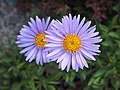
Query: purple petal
[[84, 28], [59, 27], [79, 61], [25, 34], [70, 23], [76, 23], [26, 49], [65, 24], [69, 63], [27, 39], [47, 22], [61, 57], [57, 55], [76, 67], [43, 23], [34, 55], [55, 33], [26, 44], [39, 24], [44, 57], [54, 38], [83, 51], [54, 52], [38, 57], [29, 31], [92, 49], [53, 45], [73, 61], [33, 22], [31, 53], [89, 35], [64, 62], [89, 31], [52, 41], [80, 25], [33, 28], [78, 18], [83, 60]]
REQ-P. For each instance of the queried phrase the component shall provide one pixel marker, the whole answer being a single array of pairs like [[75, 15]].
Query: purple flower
[[71, 41], [31, 38]]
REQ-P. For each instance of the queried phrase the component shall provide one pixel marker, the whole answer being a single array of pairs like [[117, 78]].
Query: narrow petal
[[39, 24], [25, 34], [70, 23], [31, 53], [64, 62], [27, 39], [34, 55], [26, 44], [27, 48], [38, 58], [33, 22], [47, 22], [53, 45], [33, 28], [69, 63], [65, 24], [89, 35], [29, 31], [83, 60], [44, 57], [84, 28], [54, 38], [79, 61], [55, 57], [43, 23], [87, 54], [61, 57], [76, 23], [54, 52], [92, 49], [73, 61], [80, 25]]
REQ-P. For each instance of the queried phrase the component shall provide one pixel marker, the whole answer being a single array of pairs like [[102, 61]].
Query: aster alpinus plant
[[68, 42]]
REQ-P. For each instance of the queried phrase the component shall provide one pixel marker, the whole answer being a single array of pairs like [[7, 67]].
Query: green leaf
[[20, 65], [114, 21], [82, 74], [16, 86], [32, 85], [53, 82], [56, 76], [103, 27], [100, 72], [40, 71], [90, 81], [50, 87], [116, 85], [114, 34]]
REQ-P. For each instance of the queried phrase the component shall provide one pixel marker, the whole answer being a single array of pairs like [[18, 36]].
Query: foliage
[[104, 74]]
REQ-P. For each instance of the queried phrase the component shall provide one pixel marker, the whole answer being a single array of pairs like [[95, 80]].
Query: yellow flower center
[[72, 43], [39, 40]]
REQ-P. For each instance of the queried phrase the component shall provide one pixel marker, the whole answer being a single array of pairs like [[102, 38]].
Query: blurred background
[[16, 74]]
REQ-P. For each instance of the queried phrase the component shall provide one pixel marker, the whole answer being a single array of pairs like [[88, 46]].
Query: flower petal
[[79, 61], [87, 54], [61, 57]]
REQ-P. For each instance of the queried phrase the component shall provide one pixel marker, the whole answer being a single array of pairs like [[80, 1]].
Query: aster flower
[[31, 39], [72, 41]]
